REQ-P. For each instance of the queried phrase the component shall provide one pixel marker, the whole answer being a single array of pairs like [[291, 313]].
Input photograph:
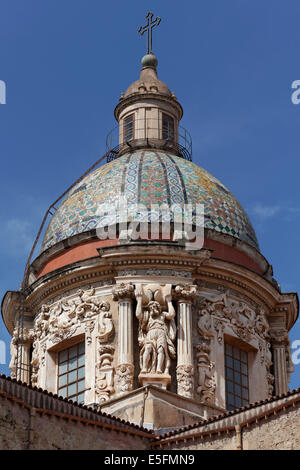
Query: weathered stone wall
[[281, 432], [22, 429]]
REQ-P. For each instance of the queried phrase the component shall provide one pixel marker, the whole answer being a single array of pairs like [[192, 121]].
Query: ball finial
[[149, 60]]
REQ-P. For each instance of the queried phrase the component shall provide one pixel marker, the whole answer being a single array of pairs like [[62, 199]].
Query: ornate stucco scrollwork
[[124, 377], [266, 359], [105, 353], [104, 372], [57, 323], [185, 380], [206, 381]]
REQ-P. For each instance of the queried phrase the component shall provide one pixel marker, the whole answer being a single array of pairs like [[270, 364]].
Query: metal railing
[[148, 133]]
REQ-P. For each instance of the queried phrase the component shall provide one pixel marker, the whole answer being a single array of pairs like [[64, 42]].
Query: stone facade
[[156, 327], [272, 425], [34, 420], [31, 419], [154, 313]]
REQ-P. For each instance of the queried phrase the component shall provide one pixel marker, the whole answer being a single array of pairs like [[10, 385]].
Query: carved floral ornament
[[214, 314], [244, 321], [61, 321]]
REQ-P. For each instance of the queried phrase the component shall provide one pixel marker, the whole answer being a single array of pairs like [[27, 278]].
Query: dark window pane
[[63, 356], [73, 352], [228, 361], [244, 357], [128, 128], [237, 393], [167, 127], [73, 363], [236, 353], [63, 392], [62, 380], [81, 373], [71, 376], [63, 368], [72, 389], [237, 377], [230, 398], [81, 361], [80, 398], [245, 380], [81, 386]]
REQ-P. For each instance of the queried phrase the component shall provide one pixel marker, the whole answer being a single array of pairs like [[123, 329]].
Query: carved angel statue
[[157, 331]]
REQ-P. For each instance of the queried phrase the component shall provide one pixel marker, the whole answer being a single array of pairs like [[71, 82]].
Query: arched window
[[71, 373], [236, 377]]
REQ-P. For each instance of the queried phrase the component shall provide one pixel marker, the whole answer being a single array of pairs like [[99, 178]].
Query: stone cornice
[[144, 97], [202, 267], [228, 421], [256, 287], [86, 237]]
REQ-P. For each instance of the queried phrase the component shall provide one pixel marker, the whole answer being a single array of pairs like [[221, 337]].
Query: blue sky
[[231, 65]]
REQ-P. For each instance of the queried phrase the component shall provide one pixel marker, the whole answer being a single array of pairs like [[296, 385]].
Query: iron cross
[[148, 27]]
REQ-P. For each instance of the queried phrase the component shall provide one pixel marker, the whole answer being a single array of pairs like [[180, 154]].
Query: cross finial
[[148, 27]]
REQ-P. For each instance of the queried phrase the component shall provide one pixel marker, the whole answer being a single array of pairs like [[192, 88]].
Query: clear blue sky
[[231, 65]]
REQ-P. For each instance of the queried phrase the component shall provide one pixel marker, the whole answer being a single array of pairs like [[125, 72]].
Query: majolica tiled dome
[[149, 177]]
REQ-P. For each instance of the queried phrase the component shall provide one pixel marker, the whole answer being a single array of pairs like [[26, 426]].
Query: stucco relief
[[206, 381], [62, 321], [245, 321], [217, 313], [105, 353], [104, 371]]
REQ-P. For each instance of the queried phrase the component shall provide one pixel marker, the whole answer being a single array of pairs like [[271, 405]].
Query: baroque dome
[[149, 177]]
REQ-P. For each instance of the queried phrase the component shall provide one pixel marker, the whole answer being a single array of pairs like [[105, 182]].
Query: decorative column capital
[[185, 293], [123, 292], [279, 337]]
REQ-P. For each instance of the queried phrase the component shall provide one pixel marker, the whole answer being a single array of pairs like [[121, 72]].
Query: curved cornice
[[144, 97], [107, 266]]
